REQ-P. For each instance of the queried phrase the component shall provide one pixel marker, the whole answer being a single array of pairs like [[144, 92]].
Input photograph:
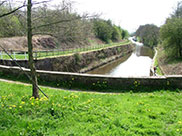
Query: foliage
[[9, 25], [106, 31], [103, 30], [62, 23], [77, 57], [171, 34], [178, 11], [116, 34], [148, 34], [124, 34], [76, 113]]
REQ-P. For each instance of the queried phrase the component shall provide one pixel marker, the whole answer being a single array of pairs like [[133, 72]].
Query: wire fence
[[23, 55]]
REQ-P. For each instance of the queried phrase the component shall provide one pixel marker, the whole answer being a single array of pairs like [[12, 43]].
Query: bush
[[103, 30], [116, 35]]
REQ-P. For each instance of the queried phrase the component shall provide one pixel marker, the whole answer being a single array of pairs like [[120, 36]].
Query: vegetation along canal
[[136, 64]]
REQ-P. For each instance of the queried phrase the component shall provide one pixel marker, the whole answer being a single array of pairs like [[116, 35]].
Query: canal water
[[137, 63]]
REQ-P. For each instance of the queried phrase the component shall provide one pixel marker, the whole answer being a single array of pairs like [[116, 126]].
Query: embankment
[[80, 62]]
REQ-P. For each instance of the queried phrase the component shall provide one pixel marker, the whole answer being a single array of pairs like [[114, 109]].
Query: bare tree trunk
[[30, 51]]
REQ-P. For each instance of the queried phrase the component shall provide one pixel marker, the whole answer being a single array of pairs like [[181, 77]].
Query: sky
[[129, 14]]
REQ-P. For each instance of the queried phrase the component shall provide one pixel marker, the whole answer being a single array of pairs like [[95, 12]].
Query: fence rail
[[15, 54]]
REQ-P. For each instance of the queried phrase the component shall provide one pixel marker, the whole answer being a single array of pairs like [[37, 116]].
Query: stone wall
[[80, 62], [98, 82]]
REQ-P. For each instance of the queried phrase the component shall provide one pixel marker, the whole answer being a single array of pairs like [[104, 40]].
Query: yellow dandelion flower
[[179, 122], [20, 106], [22, 102], [31, 98], [14, 106], [59, 105], [45, 99], [32, 103]]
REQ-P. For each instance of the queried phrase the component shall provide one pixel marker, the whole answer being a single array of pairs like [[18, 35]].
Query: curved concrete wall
[[76, 80]]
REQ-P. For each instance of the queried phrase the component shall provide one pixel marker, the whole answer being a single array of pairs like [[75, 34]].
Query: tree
[[103, 30], [29, 39], [170, 34], [9, 22], [148, 34], [116, 34], [124, 34], [30, 51], [178, 11]]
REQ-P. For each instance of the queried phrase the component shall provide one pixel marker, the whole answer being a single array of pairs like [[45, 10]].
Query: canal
[[137, 63]]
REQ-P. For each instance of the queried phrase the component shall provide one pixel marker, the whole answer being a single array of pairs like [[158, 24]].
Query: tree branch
[[2, 3], [8, 13], [60, 21]]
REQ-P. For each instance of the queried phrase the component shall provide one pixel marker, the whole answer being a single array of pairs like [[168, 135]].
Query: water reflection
[[106, 69], [136, 64]]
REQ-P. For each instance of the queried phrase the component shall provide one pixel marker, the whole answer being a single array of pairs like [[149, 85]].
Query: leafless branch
[[61, 21], [11, 12], [1, 3]]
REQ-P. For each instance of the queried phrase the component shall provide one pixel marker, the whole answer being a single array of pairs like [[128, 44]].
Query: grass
[[156, 64], [77, 50], [80, 113], [16, 56], [45, 54]]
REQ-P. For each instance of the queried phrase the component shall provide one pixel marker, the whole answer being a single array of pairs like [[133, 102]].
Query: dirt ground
[[40, 42], [169, 67], [43, 42]]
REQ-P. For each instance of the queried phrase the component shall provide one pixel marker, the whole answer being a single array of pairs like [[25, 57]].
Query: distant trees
[[148, 34], [9, 22], [78, 30], [171, 33], [108, 32], [102, 30]]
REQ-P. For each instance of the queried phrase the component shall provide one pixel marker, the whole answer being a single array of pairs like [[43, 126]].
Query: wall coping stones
[[103, 81]]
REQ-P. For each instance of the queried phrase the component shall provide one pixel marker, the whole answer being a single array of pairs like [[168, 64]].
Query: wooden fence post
[[14, 54], [25, 55]]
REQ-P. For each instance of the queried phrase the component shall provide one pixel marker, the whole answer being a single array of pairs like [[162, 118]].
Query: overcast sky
[[129, 14]]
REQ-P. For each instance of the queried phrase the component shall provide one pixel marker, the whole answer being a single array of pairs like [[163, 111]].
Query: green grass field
[[68, 113]]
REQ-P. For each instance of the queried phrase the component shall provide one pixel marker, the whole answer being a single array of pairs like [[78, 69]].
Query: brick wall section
[[100, 82], [81, 63]]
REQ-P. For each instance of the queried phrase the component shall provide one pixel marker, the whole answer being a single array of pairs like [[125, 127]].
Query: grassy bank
[[56, 53], [76, 113]]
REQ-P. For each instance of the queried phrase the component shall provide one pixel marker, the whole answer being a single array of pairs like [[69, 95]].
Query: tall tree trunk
[[30, 51], [180, 51]]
